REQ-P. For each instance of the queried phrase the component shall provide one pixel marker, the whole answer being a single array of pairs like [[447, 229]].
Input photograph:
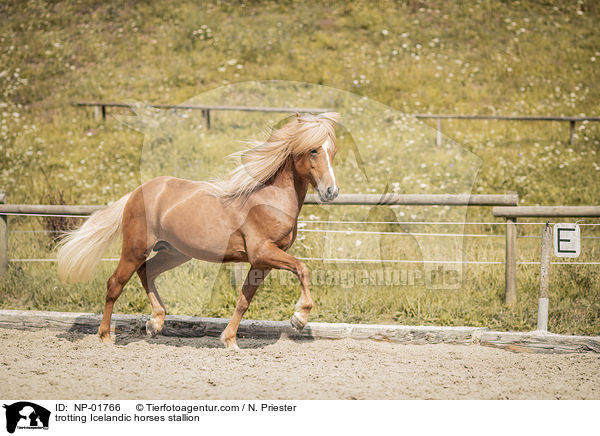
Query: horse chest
[[277, 226]]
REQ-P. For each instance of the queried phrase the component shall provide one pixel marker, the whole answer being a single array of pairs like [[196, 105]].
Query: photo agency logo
[[25, 415], [381, 152]]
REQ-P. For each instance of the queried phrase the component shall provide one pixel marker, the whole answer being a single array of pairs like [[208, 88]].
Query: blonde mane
[[259, 163]]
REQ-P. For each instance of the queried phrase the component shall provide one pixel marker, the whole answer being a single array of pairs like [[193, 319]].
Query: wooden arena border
[[191, 326]]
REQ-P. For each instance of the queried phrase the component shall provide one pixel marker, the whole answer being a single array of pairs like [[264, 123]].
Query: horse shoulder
[[267, 224]]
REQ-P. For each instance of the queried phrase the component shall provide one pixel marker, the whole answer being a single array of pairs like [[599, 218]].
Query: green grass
[[484, 57]]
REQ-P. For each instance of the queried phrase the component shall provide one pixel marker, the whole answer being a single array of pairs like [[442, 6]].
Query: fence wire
[[350, 232]]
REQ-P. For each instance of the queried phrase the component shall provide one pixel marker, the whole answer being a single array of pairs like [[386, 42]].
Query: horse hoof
[[229, 344], [296, 323], [106, 339], [151, 328]]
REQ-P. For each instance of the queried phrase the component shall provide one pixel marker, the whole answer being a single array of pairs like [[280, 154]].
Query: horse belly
[[208, 240]]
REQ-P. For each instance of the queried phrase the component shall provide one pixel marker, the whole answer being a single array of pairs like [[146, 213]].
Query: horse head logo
[[27, 415]]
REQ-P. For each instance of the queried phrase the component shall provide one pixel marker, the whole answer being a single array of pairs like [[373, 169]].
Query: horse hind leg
[[127, 266], [134, 252], [163, 261]]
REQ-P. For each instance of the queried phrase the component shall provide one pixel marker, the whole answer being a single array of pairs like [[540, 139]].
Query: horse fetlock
[[304, 307]]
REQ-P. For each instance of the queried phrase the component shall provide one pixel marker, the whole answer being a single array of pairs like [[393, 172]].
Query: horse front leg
[[305, 303], [273, 257], [253, 280]]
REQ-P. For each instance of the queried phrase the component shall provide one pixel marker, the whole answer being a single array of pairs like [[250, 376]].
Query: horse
[[250, 217]]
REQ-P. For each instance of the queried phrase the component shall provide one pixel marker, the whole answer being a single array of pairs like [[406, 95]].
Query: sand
[[50, 364]]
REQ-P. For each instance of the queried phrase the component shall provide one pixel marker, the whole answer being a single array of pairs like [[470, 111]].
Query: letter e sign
[[566, 240]]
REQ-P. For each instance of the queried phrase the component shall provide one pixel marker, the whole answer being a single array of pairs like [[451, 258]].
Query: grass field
[[484, 57]]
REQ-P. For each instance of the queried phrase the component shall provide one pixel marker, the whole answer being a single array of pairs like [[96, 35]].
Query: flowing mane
[[259, 163]]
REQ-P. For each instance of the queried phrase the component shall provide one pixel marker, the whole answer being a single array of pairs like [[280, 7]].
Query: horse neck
[[288, 178]]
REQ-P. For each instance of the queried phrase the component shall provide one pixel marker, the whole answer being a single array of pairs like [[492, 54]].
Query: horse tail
[[80, 251]]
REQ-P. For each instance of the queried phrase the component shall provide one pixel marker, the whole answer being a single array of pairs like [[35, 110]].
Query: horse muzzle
[[328, 194]]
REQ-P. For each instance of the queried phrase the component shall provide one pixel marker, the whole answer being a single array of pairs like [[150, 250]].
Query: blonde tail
[[80, 250]]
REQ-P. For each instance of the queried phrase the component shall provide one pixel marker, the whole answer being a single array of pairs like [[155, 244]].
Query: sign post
[[566, 244], [542, 322]]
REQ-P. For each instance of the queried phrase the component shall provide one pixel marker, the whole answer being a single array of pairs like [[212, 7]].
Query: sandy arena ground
[[59, 365]]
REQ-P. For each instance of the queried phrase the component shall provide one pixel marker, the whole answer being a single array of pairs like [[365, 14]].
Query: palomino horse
[[250, 217]]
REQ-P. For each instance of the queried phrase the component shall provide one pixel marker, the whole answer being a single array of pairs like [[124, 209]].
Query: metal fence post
[[542, 321], [3, 237], [511, 261], [438, 139]]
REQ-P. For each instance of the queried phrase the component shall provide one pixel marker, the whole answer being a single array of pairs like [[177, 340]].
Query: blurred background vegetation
[[481, 57]]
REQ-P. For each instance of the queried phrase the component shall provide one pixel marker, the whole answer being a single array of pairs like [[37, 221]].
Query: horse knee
[[303, 272]]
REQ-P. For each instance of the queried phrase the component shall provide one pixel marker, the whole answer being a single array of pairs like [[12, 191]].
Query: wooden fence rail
[[100, 111], [342, 199], [419, 200], [548, 212], [570, 120]]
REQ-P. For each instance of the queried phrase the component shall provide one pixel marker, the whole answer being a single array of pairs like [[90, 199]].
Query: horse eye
[[314, 152]]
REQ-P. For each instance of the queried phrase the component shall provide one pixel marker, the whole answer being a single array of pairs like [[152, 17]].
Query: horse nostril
[[329, 191]]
